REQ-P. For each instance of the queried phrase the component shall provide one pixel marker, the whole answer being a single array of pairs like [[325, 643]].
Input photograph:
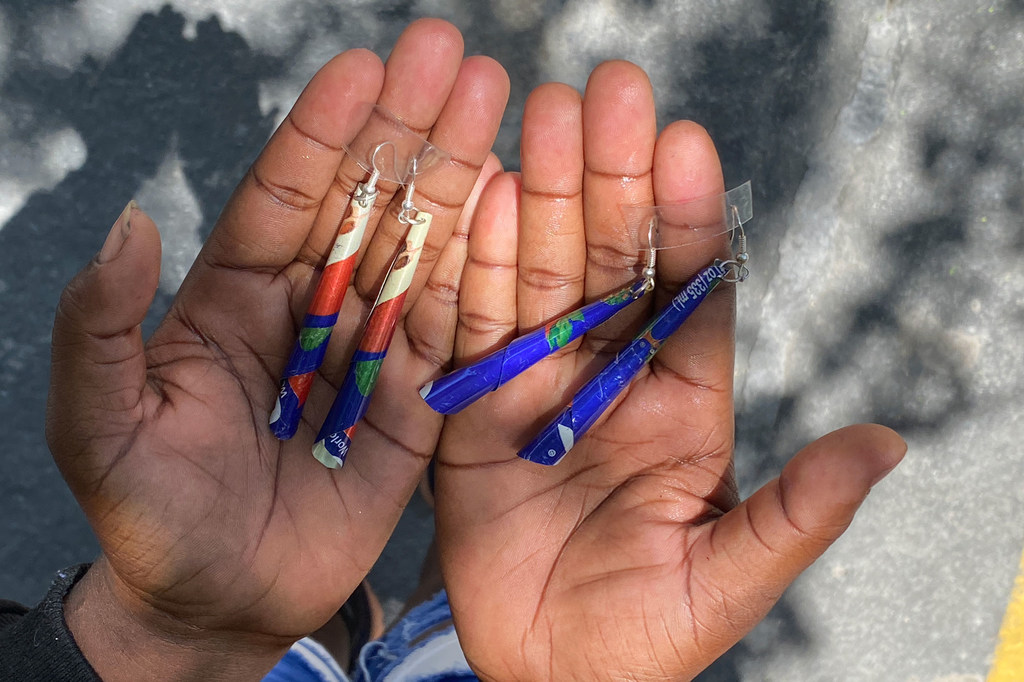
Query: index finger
[[270, 214]]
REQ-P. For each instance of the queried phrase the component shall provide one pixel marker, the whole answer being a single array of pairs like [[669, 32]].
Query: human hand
[[632, 558], [222, 545]]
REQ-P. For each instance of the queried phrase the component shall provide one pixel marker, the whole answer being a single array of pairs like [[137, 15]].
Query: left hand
[[222, 545]]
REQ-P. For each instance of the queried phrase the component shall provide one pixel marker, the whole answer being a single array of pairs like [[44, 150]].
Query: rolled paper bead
[[457, 390], [565, 430], [353, 399], [320, 318]]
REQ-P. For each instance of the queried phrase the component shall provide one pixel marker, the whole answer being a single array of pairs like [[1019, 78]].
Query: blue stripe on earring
[[457, 390], [565, 430]]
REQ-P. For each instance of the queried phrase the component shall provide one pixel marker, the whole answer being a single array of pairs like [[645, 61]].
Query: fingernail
[[118, 234]]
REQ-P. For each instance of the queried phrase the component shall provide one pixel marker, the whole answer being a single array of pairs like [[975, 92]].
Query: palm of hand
[[591, 564], [202, 514], [597, 565], [631, 558], [209, 513]]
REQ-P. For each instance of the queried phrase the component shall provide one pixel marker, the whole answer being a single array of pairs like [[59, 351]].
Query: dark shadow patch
[[157, 90]]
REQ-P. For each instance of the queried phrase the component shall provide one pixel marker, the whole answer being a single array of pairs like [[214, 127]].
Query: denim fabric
[[307, 661], [422, 647]]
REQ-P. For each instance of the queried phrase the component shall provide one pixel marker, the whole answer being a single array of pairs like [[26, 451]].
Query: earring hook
[[736, 269], [650, 270], [375, 173], [409, 215], [366, 192]]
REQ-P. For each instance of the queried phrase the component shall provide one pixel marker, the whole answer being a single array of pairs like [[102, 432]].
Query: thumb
[[761, 546], [98, 369]]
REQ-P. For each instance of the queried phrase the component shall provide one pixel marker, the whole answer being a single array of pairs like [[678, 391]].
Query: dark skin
[[222, 546], [633, 557]]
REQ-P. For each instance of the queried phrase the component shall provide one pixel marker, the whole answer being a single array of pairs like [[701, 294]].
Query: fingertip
[[554, 100], [133, 236], [492, 166], [497, 210], [686, 128], [361, 72], [881, 448], [622, 79], [619, 122], [142, 253], [355, 61], [142, 224], [444, 33], [825, 482], [555, 109], [112, 293], [334, 104], [469, 121], [551, 147], [873, 448], [440, 37], [489, 71], [552, 113], [500, 199], [686, 164], [420, 72], [761, 546]]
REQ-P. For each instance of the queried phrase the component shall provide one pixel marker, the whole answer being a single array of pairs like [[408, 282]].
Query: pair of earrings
[[668, 227], [414, 156]]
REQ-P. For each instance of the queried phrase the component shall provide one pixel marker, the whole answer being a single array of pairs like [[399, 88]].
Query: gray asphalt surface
[[885, 142]]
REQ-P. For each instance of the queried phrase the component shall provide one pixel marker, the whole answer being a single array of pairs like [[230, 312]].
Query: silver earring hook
[[409, 215], [650, 270], [736, 269], [366, 192]]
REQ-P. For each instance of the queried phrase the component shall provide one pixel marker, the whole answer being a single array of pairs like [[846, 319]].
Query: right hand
[[633, 558]]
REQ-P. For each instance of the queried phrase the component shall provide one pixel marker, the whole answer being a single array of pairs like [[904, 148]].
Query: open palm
[[209, 524], [630, 559]]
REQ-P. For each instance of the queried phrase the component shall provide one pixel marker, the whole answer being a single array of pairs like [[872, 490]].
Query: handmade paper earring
[[677, 226], [384, 161], [559, 436], [323, 310], [664, 227], [456, 390], [353, 399]]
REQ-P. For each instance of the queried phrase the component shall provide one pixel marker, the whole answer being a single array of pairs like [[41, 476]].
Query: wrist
[[124, 638]]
